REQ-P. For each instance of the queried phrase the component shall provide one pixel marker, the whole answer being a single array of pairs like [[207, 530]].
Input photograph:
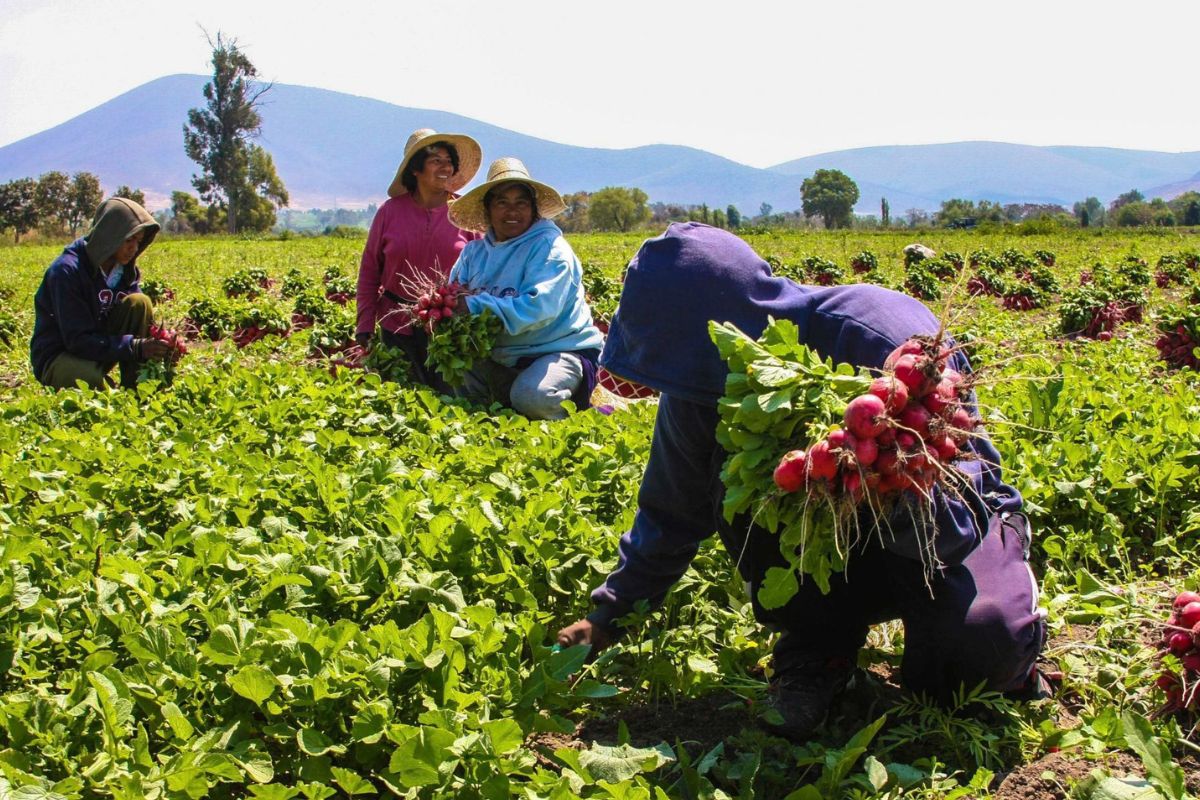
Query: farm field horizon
[[280, 577]]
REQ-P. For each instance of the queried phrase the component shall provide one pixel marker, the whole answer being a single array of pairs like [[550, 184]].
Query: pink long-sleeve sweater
[[406, 243]]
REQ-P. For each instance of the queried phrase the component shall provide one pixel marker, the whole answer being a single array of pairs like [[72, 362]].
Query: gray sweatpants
[[537, 391]]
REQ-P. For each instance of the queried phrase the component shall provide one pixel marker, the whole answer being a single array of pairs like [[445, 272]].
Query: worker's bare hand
[[153, 348], [584, 632]]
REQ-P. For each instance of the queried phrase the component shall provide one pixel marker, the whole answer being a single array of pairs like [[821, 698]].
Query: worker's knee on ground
[[540, 389], [137, 303], [537, 401], [65, 371]]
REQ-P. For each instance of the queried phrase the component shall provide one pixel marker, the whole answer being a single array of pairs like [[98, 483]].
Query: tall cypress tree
[[217, 137]]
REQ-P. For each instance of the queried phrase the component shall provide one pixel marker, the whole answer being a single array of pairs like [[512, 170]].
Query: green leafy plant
[[457, 343]]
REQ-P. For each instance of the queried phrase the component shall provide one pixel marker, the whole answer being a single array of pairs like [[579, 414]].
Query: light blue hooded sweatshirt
[[534, 284]]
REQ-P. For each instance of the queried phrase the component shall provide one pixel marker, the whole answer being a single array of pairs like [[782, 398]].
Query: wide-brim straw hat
[[468, 213], [470, 156]]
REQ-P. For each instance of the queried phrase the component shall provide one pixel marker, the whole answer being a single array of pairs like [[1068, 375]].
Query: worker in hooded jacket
[[975, 620], [90, 313]]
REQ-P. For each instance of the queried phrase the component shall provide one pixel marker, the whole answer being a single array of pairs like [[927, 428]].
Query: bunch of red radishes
[[171, 337], [899, 436], [1105, 321], [1181, 638], [1019, 301], [1177, 346], [438, 303]]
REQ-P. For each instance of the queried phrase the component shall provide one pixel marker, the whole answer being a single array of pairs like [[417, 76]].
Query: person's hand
[[364, 341], [461, 306], [584, 632], [150, 348]]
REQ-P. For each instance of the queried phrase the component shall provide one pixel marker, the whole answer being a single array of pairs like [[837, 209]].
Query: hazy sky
[[757, 82]]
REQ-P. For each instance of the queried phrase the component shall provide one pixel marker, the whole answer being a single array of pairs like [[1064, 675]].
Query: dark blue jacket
[[70, 309], [659, 337]]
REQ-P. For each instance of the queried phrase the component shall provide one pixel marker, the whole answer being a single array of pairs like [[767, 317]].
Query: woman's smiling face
[[437, 171], [510, 211]]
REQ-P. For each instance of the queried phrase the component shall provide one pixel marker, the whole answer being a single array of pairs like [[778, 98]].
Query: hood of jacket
[[116, 220], [693, 274]]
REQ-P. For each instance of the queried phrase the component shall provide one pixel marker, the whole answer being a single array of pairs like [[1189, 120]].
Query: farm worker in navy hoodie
[[90, 312], [527, 275], [977, 620]]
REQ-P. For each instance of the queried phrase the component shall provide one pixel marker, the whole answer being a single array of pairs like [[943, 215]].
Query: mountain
[[1005, 173], [1170, 191], [335, 149]]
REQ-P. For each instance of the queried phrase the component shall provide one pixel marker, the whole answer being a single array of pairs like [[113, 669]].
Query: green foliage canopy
[[831, 194], [618, 208], [234, 174]]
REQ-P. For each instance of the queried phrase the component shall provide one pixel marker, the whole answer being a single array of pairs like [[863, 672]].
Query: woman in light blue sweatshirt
[[526, 274]]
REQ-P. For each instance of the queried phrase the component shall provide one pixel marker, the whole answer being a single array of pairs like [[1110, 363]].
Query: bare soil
[[1051, 777]]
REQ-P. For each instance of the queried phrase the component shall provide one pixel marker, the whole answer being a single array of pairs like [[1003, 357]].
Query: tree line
[[54, 203], [238, 187]]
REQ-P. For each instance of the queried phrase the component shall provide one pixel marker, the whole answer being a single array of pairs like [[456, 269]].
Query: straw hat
[[468, 213], [469, 157]]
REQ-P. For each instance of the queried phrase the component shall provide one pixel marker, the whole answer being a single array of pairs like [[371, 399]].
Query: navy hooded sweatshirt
[[74, 300], [675, 285]]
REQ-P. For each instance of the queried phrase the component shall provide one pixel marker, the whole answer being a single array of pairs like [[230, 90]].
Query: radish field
[[279, 575]]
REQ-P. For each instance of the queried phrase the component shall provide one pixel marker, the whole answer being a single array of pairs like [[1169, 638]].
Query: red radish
[[945, 447], [1180, 643], [821, 462], [925, 479], [1191, 661], [887, 438], [887, 462], [1189, 615], [852, 483], [961, 419], [916, 419], [447, 312], [941, 398], [906, 440], [790, 475], [435, 314], [892, 392], [423, 302], [914, 462], [890, 484], [1183, 598], [836, 439], [910, 347], [908, 371], [866, 452], [866, 416]]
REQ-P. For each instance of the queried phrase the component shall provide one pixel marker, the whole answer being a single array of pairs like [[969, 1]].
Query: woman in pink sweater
[[412, 240]]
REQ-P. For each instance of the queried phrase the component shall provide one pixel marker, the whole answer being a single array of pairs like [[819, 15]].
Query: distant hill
[[1170, 191], [1005, 173], [334, 149]]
